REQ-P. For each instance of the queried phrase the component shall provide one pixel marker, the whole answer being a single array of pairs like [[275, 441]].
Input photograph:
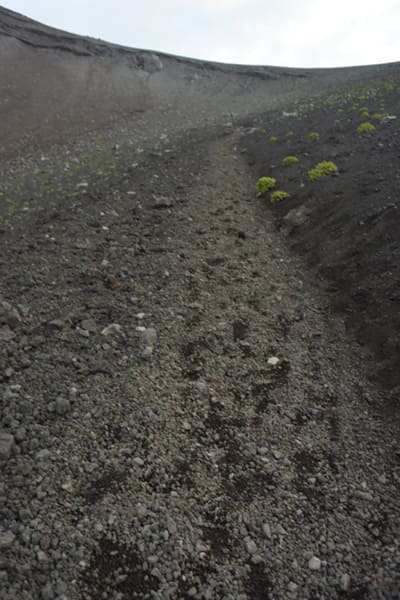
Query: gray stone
[[7, 444], [280, 530], [6, 335], [251, 546], [296, 217], [345, 582], [171, 526], [43, 455], [7, 539], [9, 315], [83, 332], [62, 405], [89, 325], [314, 563], [148, 337], [147, 352], [5, 307], [163, 202], [273, 361], [141, 511], [267, 530], [112, 329], [157, 573]]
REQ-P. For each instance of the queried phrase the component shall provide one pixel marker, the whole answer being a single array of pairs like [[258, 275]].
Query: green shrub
[[365, 127], [321, 170], [313, 135], [278, 196], [364, 114], [289, 160], [264, 184], [380, 115], [273, 139]]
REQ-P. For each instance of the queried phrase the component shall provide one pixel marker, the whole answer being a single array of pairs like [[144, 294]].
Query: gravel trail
[[182, 415]]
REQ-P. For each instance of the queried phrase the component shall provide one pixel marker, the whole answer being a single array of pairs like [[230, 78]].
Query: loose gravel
[[182, 416]]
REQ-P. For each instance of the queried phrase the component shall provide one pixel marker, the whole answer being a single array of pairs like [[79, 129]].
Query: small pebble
[[345, 582], [63, 405], [7, 539], [273, 361], [251, 546], [7, 444], [314, 563]]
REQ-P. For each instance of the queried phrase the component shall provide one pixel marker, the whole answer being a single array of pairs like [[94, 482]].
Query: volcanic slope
[[183, 414], [56, 85]]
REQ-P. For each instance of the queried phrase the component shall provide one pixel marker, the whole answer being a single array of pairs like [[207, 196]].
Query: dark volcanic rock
[[181, 415]]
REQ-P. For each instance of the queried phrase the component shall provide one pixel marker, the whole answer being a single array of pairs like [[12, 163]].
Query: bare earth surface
[[186, 411]]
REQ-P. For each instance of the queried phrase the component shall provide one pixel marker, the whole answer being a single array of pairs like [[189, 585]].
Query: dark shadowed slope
[[346, 225]]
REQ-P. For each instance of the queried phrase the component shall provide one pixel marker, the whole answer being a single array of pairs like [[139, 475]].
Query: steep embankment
[[346, 225]]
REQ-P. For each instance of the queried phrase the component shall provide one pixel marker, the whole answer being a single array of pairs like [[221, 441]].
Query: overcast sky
[[295, 33]]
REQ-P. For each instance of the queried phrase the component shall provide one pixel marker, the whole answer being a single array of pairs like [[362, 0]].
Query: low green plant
[[290, 133], [364, 114], [322, 169], [278, 196], [289, 160], [313, 135], [273, 139], [264, 184], [380, 115], [365, 127]]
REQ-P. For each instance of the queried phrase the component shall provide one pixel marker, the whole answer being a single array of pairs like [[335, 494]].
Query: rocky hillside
[[56, 85], [198, 388]]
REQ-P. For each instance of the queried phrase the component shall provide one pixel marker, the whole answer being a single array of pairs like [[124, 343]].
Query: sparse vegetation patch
[[322, 169], [289, 160], [264, 184], [278, 196], [366, 127]]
